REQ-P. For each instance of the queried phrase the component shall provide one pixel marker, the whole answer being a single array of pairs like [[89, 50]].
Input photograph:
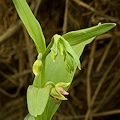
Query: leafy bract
[[78, 36], [37, 99], [32, 25], [56, 71], [29, 117]]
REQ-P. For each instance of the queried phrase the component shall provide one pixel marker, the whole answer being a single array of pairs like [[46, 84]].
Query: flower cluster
[[70, 57]]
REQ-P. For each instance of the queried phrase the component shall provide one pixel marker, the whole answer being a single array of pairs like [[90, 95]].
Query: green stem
[[48, 49], [43, 75]]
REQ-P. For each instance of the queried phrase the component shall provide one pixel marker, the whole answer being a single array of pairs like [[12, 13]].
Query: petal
[[57, 94], [63, 91]]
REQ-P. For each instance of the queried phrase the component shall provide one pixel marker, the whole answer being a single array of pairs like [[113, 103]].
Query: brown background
[[99, 79]]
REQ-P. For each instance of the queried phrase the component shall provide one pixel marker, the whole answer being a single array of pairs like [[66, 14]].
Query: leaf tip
[[114, 24]]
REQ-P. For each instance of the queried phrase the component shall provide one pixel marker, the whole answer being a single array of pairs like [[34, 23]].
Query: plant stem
[[43, 74]]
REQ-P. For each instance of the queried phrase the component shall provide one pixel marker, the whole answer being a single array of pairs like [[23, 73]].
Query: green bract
[[37, 99], [29, 117], [59, 62], [78, 36]]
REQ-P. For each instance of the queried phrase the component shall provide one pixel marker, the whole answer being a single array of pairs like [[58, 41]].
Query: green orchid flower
[[58, 91], [59, 44]]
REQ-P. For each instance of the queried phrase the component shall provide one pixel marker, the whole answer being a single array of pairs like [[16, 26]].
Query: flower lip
[[62, 91]]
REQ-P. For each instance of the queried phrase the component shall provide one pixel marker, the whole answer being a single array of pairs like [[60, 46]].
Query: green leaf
[[56, 72], [78, 36], [80, 47], [29, 117], [32, 25], [37, 81], [37, 99]]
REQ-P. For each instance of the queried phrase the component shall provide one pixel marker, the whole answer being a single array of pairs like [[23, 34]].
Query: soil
[[95, 91]]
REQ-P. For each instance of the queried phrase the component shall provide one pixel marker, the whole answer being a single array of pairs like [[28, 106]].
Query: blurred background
[[95, 91]]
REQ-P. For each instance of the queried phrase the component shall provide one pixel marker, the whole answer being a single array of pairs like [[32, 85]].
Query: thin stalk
[[43, 74]]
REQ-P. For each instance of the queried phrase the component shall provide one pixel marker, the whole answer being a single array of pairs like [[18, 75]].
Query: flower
[[58, 91], [65, 49]]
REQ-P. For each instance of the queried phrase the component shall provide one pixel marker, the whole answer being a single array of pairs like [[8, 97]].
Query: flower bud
[[60, 45], [69, 62], [37, 66], [53, 56]]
